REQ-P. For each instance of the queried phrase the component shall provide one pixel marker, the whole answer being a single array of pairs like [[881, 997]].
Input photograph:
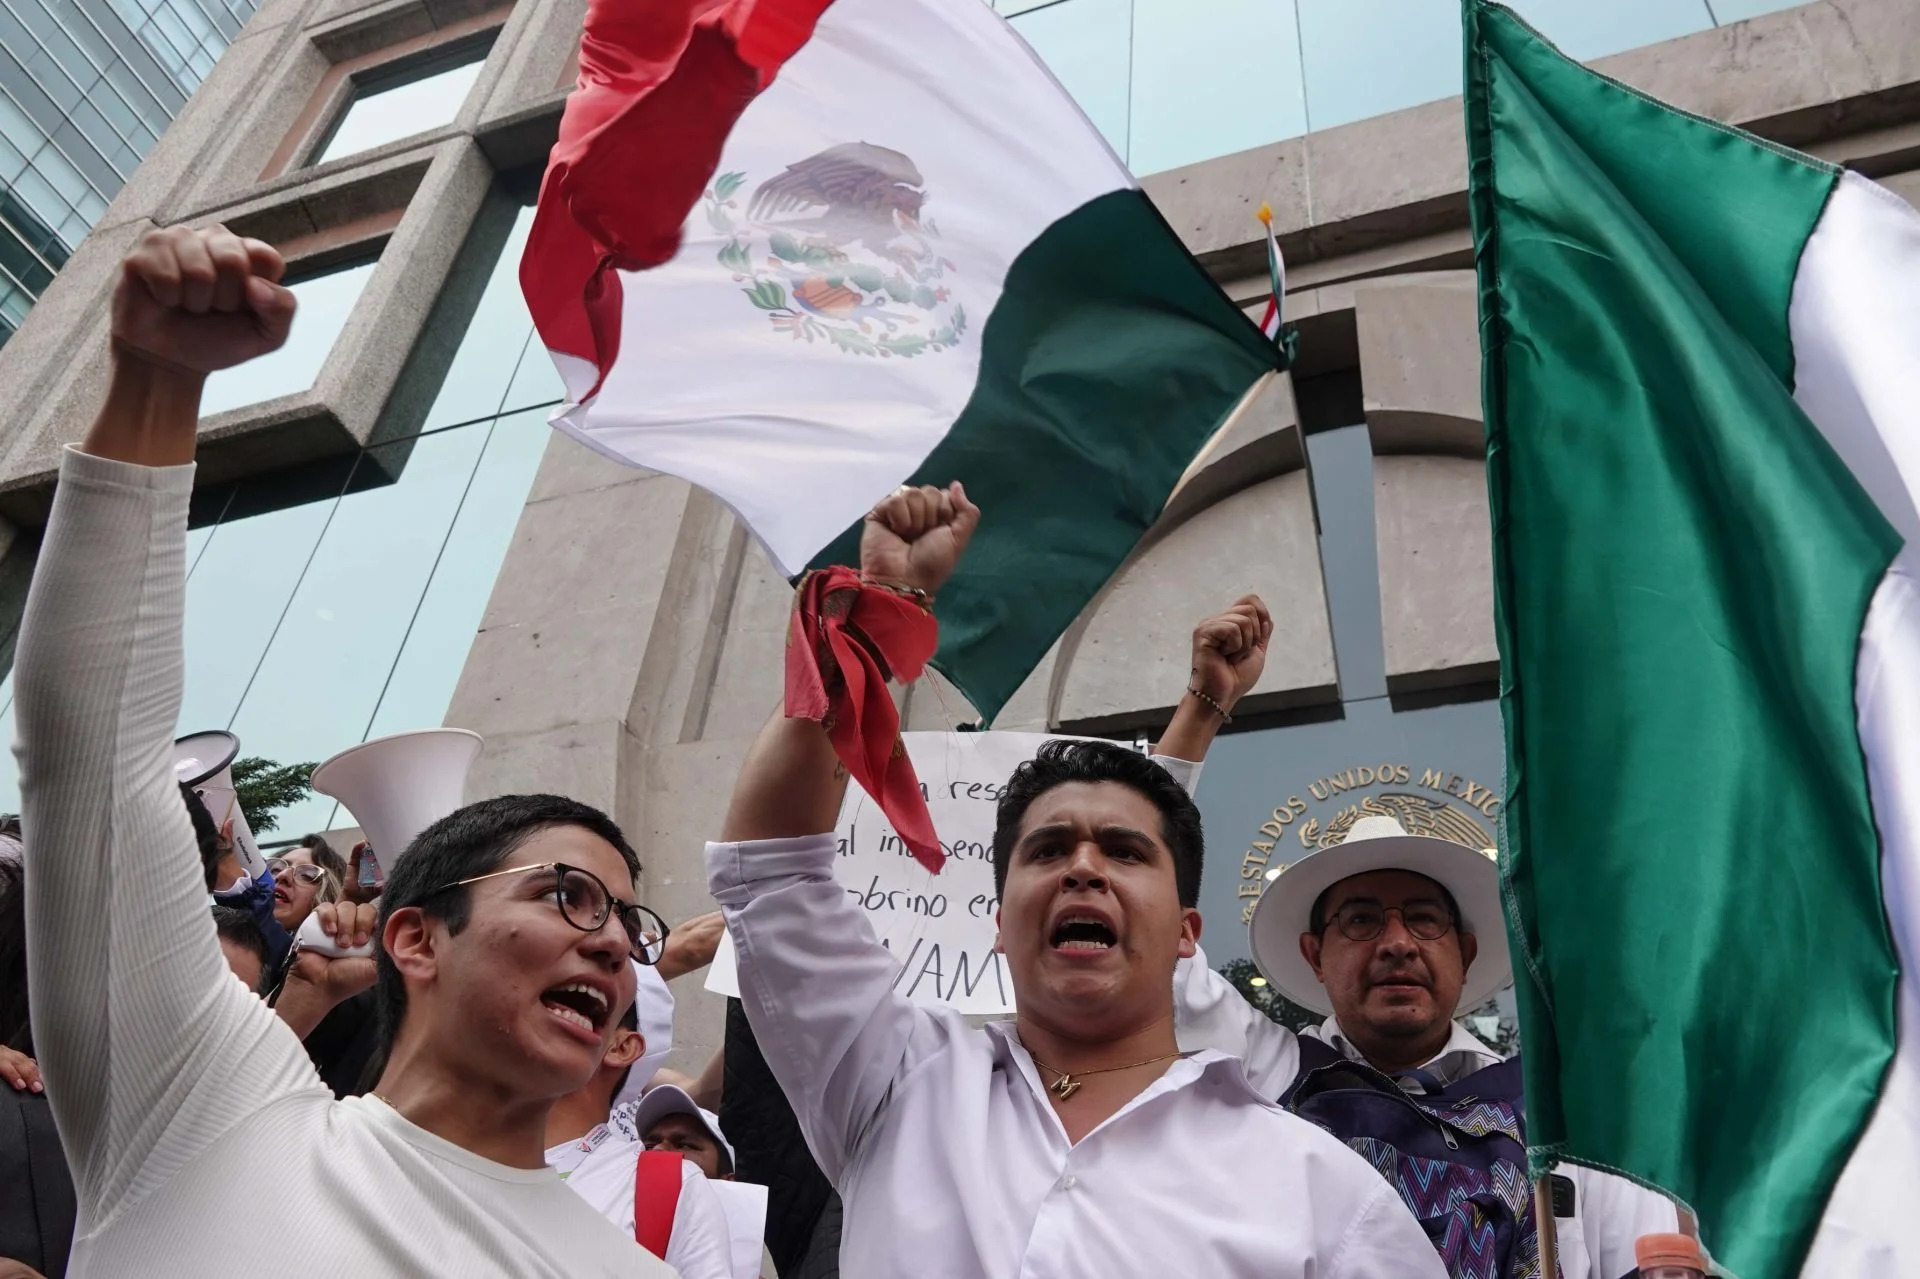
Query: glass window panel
[[39, 196], [386, 115], [12, 160], [1087, 45], [1726, 11], [73, 166], [324, 672], [1197, 95], [52, 78], [436, 649], [536, 383], [1367, 57], [107, 100], [1011, 7], [1585, 30], [484, 366], [52, 35], [325, 302], [244, 572], [31, 97]]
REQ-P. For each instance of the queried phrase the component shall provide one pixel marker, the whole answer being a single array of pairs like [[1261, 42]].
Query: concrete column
[[1420, 369]]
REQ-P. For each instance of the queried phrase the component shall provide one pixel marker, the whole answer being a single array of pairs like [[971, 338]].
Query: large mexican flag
[[912, 260], [1702, 388]]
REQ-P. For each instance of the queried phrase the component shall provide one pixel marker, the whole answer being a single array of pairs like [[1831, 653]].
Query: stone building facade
[[616, 635]]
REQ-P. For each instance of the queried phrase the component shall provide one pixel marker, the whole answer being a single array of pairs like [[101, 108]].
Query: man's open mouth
[[1082, 932], [578, 1003]]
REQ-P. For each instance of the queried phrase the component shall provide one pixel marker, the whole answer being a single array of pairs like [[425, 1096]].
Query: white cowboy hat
[[1381, 843]]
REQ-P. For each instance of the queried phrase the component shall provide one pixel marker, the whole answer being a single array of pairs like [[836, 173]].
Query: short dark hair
[[243, 930], [205, 834], [1061, 761], [1317, 920], [324, 856], [462, 845]]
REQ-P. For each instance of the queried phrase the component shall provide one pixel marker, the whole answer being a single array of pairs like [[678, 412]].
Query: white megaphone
[[395, 787], [204, 763]]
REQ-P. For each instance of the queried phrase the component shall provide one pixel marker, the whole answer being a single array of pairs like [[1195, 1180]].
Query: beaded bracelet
[[1212, 705]]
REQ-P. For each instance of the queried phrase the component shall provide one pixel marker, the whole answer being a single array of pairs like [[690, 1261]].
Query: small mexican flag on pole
[[1702, 396], [912, 260], [1277, 273]]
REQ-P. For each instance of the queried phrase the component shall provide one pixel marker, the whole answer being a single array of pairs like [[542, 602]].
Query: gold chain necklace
[[1066, 1085]]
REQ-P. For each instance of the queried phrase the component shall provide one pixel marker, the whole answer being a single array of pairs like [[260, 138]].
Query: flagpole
[[1214, 441], [1548, 1231]]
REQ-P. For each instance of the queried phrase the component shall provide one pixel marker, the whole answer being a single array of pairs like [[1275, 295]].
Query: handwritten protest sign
[[940, 927]]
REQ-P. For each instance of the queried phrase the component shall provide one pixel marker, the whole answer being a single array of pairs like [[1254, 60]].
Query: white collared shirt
[[951, 1161]]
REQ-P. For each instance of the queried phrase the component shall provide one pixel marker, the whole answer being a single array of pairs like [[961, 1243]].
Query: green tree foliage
[[265, 788], [1261, 994]]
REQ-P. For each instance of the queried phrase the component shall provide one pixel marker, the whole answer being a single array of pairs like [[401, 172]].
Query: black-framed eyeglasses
[[585, 902], [280, 868], [1364, 920]]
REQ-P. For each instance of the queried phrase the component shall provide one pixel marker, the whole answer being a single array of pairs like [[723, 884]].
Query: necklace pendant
[[1065, 1086]]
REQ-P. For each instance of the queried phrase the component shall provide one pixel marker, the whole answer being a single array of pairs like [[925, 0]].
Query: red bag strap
[[656, 1196]]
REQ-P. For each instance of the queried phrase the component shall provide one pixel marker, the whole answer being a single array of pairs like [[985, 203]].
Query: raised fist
[[916, 536], [1230, 650], [196, 301]]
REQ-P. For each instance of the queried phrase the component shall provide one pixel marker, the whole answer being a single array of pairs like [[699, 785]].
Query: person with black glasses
[[507, 932]]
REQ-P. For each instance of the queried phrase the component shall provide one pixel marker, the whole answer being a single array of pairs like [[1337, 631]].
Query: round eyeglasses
[[280, 868], [1364, 920], [585, 902]]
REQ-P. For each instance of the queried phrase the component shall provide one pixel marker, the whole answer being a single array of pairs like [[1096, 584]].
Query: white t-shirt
[[600, 1168], [181, 1097]]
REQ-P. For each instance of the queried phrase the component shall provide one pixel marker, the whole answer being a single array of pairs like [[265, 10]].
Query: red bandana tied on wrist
[[847, 638]]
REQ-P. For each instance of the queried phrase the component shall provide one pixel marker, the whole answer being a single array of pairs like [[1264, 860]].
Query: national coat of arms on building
[[839, 249]]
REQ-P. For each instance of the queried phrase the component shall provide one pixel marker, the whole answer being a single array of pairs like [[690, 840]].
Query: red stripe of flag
[[662, 83]]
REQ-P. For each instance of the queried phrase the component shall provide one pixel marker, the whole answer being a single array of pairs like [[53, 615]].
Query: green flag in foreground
[[1702, 394]]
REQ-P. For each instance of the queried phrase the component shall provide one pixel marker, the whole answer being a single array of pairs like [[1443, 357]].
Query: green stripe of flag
[[1683, 568], [1109, 361]]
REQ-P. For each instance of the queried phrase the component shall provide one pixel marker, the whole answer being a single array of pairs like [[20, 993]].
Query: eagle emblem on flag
[[839, 249]]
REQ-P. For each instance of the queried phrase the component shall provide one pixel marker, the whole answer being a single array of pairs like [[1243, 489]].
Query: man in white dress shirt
[[1076, 1142], [1384, 933]]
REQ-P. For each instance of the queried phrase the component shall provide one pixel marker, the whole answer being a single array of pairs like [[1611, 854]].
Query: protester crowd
[[485, 1092]]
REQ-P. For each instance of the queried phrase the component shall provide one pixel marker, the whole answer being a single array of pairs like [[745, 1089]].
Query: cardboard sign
[[939, 927]]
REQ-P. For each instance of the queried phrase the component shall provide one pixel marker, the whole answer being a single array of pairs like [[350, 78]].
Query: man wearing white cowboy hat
[[1383, 932]]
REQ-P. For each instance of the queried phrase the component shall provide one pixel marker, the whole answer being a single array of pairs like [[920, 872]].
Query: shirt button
[[1069, 1181]]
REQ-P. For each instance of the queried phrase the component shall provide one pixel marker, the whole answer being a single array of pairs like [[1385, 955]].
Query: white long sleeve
[[145, 1036], [180, 1096]]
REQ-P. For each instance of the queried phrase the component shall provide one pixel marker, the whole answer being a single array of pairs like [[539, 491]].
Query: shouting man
[[1077, 1140], [505, 930]]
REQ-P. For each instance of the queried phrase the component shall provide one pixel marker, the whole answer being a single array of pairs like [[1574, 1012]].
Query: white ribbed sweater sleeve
[[150, 1047]]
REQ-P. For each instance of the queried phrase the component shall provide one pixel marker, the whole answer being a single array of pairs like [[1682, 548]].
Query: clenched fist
[[1230, 650], [915, 536], [193, 302]]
